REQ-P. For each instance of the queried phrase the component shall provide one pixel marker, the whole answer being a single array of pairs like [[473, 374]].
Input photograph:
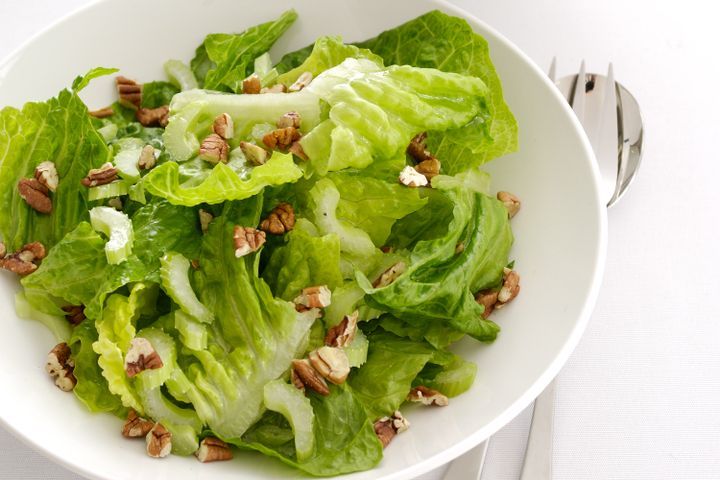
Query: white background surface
[[640, 397]]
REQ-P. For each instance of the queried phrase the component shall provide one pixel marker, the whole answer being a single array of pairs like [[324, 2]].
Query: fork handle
[[538, 455]]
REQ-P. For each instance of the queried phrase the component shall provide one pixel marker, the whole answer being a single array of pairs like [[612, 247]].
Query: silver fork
[[611, 119]]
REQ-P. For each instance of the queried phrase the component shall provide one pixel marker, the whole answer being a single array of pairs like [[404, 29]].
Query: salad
[[267, 256]]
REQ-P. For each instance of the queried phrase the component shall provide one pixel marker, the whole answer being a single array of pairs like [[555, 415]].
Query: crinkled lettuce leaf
[[59, 130], [326, 53], [440, 282], [156, 94], [345, 440], [224, 60], [438, 40], [222, 184], [384, 381]]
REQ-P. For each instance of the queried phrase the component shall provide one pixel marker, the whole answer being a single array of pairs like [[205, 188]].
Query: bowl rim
[[445, 456]]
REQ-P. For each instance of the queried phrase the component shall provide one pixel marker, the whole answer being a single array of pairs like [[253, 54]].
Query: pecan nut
[[252, 85], [60, 366], [158, 441], [280, 220], [102, 113], [281, 138], [214, 149], [387, 427], [343, 334], [254, 154], [3, 250], [141, 356], [135, 426], [511, 202], [129, 92], [205, 219], [429, 168], [213, 450], [223, 125], [510, 287], [427, 396], [314, 297], [330, 362], [488, 299], [309, 376], [296, 380], [147, 159], [74, 314], [297, 149], [412, 178], [303, 81], [35, 195], [417, 148], [277, 88], [290, 119], [390, 275], [25, 260], [153, 117], [247, 240], [47, 175], [107, 173]]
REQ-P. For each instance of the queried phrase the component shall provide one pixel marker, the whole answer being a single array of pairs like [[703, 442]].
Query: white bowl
[[560, 234]]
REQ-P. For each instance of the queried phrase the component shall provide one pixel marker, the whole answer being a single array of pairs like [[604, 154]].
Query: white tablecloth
[[640, 397]]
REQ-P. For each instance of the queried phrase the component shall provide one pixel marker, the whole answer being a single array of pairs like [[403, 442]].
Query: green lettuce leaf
[[157, 94], [345, 440], [303, 261], [326, 53], [224, 60], [439, 283], [59, 130], [91, 388], [437, 334], [222, 184], [384, 381], [437, 40]]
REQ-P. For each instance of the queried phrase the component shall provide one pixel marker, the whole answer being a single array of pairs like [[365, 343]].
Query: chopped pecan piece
[[252, 84], [343, 334], [297, 150], [303, 81], [213, 450], [277, 88], [281, 138], [488, 299], [430, 168], [47, 175], [412, 178], [100, 176], [102, 113], [247, 240], [427, 396], [314, 297], [129, 92], [158, 441], [135, 426], [147, 159], [195, 264], [389, 275], [153, 117], [510, 287], [387, 427], [74, 314], [35, 195], [25, 260], [254, 154], [290, 119], [417, 148], [330, 362], [310, 377], [205, 219], [141, 356], [223, 125], [511, 202], [61, 366], [280, 220], [296, 380], [214, 149]]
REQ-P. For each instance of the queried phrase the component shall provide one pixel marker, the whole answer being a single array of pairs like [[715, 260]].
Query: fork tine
[[578, 94], [551, 72]]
